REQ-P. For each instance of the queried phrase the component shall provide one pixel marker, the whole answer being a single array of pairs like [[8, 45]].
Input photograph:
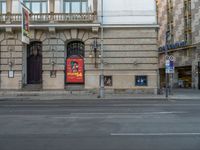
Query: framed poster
[[10, 74], [108, 80], [141, 80], [75, 70], [53, 73]]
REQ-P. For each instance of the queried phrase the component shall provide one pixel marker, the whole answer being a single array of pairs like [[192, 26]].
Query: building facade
[[179, 34], [65, 50]]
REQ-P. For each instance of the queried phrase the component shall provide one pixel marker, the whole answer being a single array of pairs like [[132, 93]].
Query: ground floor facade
[[67, 57], [187, 68]]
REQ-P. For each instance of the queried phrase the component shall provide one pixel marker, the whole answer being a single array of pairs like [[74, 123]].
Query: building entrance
[[184, 77], [34, 63], [75, 63]]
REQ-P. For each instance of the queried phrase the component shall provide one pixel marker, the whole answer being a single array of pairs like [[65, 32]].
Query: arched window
[[75, 48]]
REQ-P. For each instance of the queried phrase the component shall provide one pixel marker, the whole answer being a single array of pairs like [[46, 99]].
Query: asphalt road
[[100, 125]]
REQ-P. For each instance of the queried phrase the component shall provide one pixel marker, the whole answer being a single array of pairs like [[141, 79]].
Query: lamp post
[[95, 49], [101, 89]]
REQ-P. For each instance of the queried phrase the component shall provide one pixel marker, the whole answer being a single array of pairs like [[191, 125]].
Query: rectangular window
[[75, 6], [2, 7], [44, 7], [27, 4], [15, 7], [57, 6], [84, 7], [141, 80], [37, 6], [67, 7]]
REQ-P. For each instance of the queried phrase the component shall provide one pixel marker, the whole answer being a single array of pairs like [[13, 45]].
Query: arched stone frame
[[34, 62]]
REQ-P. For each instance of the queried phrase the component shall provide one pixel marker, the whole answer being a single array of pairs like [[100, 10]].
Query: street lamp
[[94, 49]]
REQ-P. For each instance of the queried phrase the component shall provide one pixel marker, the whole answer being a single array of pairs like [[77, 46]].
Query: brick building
[[65, 35]]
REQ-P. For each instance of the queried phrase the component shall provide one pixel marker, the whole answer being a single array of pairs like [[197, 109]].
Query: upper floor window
[[2, 7], [37, 6], [75, 6]]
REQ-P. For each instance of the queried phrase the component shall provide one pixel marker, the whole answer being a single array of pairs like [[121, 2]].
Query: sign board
[[75, 70], [169, 66], [25, 24]]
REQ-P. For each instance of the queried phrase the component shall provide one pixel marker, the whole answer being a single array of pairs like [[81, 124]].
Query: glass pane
[[57, 6], [15, 7], [67, 7], [84, 7], [3, 7], [44, 7], [36, 7], [76, 7], [27, 4]]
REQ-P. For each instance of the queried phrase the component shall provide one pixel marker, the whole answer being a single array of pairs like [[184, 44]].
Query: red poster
[[74, 70]]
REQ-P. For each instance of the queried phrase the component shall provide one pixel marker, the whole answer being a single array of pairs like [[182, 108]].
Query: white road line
[[144, 113], [154, 134]]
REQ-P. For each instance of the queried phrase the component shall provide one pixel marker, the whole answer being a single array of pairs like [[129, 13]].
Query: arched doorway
[[34, 63], [75, 63]]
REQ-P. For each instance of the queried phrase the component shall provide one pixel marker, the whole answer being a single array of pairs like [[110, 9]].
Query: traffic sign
[[169, 66]]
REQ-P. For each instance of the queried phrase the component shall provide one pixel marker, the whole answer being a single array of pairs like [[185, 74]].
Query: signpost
[[169, 65], [169, 70]]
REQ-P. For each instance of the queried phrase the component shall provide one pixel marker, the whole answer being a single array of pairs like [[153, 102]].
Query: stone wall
[[162, 21], [11, 50], [195, 21], [127, 52]]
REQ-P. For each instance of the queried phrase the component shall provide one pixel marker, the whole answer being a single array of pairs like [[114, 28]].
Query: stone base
[[14, 83], [54, 82]]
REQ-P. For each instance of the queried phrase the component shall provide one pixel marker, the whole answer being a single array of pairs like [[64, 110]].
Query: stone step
[[32, 87]]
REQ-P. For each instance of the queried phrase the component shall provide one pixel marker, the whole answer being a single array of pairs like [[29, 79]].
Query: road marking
[[154, 134], [143, 113]]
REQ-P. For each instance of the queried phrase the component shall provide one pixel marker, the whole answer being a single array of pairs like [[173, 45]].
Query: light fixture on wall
[[94, 51]]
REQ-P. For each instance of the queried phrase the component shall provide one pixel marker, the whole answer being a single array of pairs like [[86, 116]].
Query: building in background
[[180, 19], [64, 49]]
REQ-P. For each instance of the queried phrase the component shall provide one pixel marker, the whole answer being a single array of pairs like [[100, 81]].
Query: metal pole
[[199, 75], [101, 92], [166, 74]]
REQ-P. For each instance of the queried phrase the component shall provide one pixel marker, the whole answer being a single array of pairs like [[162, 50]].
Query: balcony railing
[[50, 17]]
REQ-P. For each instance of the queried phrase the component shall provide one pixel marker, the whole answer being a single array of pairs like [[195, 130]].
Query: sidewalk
[[183, 94], [178, 94]]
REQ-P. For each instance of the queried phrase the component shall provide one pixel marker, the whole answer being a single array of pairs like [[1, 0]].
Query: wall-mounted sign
[[10, 74], [169, 64], [172, 46], [75, 70]]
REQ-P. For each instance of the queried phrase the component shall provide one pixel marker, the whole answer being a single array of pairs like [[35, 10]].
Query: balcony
[[54, 18]]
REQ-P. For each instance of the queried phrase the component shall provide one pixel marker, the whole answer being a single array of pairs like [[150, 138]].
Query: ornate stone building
[[64, 49], [179, 20]]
